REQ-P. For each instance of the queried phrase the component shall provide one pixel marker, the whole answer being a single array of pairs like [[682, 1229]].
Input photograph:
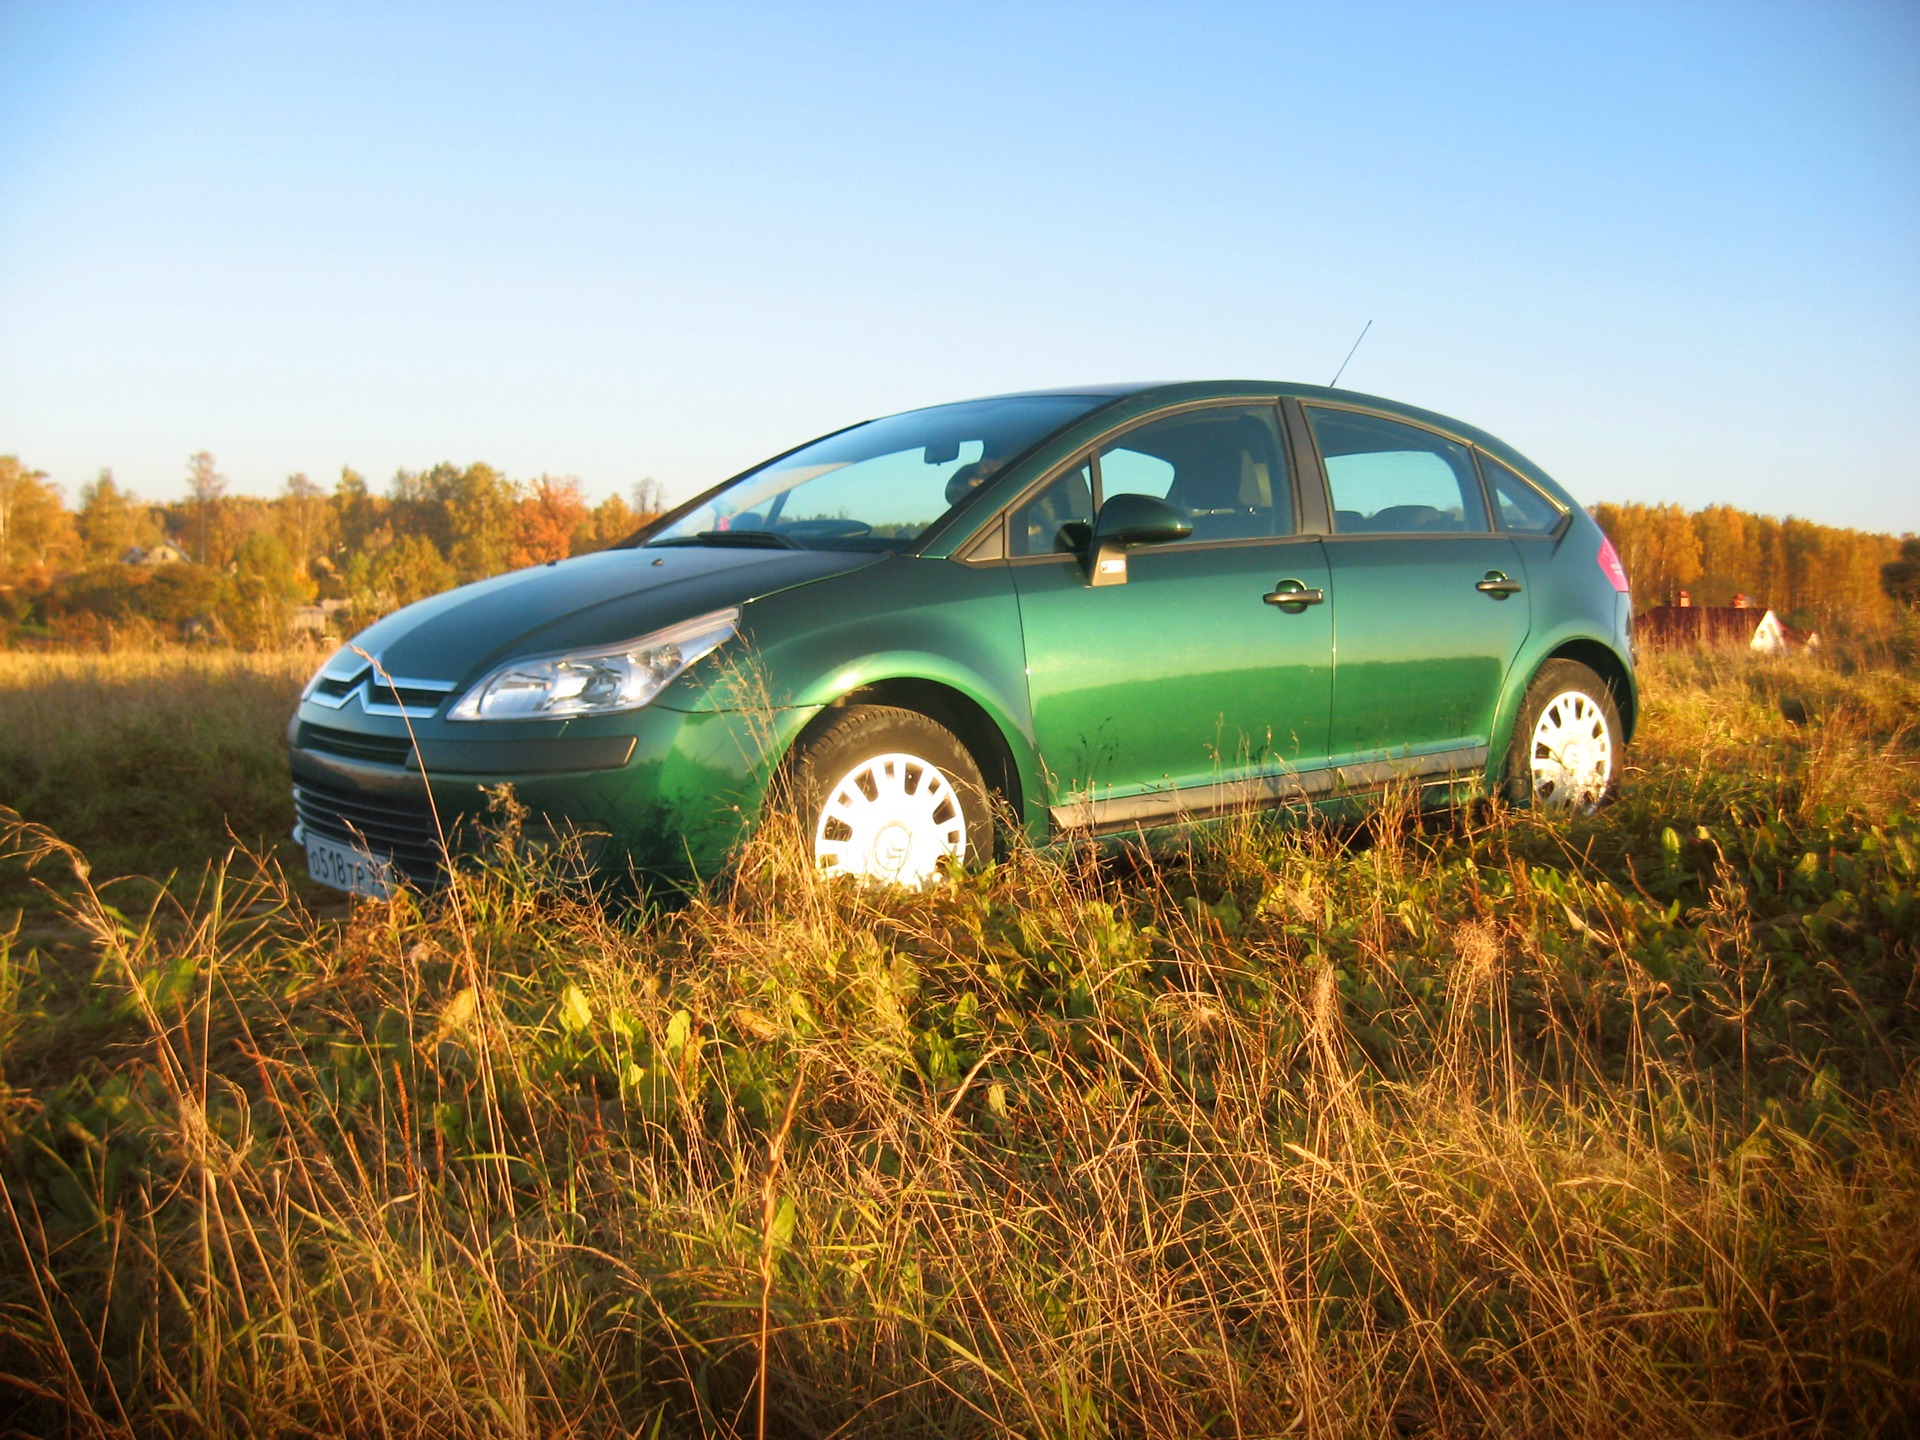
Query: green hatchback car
[[1112, 608]]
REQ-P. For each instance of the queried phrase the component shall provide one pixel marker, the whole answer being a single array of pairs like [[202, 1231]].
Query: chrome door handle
[[1497, 585], [1293, 596]]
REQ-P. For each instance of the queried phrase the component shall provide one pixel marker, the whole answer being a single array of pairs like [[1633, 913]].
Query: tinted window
[[1034, 526], [1222, 467], [1517, 506], [1392, 478]]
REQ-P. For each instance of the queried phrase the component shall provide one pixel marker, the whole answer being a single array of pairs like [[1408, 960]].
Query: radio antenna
[[1343, 364]]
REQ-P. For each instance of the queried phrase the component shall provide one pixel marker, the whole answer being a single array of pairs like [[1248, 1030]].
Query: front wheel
[[887, 795], [1566, 745]]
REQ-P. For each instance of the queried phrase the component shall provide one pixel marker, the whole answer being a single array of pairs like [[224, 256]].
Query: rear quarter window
[[1518, 508]]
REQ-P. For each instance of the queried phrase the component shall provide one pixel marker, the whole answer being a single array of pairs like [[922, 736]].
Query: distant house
[[1749, 626], [165, 553], [318, 619]]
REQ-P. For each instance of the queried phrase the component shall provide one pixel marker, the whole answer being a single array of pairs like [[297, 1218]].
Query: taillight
[[1610, 562]]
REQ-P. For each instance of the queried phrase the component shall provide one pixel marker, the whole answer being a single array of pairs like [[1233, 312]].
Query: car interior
[[1218, 467], [1390, 478]]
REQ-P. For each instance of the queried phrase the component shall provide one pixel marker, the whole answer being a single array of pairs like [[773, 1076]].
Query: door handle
[[1497, 585], [1293, 597]]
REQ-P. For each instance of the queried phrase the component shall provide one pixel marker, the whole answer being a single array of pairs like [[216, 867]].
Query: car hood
[[599, 599]]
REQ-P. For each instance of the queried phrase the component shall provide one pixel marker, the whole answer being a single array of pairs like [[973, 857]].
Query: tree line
[[1815, 577], [246, 565], [242, 569]]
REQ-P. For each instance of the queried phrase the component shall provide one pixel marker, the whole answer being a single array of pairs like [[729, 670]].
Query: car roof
[[1150, 393], [1174, 391]]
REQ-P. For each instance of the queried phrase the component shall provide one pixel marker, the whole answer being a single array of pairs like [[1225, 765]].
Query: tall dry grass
[[148, 759], [1457, 1127]]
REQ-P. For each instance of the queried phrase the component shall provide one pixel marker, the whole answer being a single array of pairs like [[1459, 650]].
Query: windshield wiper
[[746, 539]]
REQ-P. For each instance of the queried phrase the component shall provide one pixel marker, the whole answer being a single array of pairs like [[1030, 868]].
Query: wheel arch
[[1610, 668], [1583, 649], [972, 724]]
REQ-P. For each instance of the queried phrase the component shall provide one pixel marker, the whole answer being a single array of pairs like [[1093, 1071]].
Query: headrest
[[969, 478]]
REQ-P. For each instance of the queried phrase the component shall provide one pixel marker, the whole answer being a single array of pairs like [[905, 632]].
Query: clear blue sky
[[1671, 251]]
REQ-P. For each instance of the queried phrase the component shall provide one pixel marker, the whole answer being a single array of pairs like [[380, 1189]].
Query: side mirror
[[1129, 520]]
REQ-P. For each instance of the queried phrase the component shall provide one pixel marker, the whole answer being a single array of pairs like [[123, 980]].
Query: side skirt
[[1178, 804]]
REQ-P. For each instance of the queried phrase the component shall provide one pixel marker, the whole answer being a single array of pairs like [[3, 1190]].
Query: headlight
[[594, 682]]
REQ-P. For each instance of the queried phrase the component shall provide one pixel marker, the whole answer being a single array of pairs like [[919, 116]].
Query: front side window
[[878, 486], [1222, 467], [1519, 508], [1392, 478]]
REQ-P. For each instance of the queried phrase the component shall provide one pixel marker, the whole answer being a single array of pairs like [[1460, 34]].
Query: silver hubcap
[[1572, 755], [892, 818]]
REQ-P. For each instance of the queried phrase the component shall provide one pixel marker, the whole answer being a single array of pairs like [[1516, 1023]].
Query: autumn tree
[[409, 569], [545, 520], [256, 602], [607, 524], [649, 499], [110, 521], [468, 515], [304, 521], [205, 487], [1729, 560], [1900, 578], [359, 516], [179, 593], [36, 529]]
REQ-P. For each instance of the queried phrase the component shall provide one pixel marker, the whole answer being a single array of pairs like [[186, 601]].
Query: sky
[[1669, 251]]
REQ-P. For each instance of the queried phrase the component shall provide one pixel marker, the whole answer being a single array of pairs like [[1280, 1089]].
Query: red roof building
[[1743, 624]]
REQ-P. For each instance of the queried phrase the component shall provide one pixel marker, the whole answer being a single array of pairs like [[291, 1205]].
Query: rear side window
[[1392, 478], [1222, 467], [1518, 508]]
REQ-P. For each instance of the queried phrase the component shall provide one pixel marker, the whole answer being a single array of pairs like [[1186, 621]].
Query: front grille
[[388, 696], [419, 699], [352, 745], [388, 827]]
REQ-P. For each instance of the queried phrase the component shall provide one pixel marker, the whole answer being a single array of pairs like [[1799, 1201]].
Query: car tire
[[887, 795], [1567, 741]]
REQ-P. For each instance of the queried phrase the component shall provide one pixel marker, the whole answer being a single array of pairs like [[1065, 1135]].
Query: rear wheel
[[1565, 753], [888, 795]]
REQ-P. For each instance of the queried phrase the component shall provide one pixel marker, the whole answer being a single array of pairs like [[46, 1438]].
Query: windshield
[[878, 486]]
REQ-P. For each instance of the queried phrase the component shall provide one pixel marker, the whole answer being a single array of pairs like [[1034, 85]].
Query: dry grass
[[147, 760], [1483, 1126]]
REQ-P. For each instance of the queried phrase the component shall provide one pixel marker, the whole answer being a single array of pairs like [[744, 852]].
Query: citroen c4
[[1102, 609]]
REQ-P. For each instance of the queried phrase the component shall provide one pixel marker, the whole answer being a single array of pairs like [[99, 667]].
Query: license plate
[[346, 868]]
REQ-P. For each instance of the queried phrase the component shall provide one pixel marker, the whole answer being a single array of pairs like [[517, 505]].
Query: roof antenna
[[1343, 364]]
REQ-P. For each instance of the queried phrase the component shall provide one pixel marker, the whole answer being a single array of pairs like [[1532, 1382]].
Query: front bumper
[[657, 790]]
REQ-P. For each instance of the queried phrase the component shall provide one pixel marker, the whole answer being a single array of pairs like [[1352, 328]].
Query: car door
[[1428, 605], [1185, 689]]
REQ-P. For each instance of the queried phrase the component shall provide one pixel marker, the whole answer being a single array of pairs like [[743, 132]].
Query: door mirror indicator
[[1127, 520]]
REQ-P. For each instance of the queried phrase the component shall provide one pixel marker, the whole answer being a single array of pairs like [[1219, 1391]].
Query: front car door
[[1428, 603], [1183, 690]]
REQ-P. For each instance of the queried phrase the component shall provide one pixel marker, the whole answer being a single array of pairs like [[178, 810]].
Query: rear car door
[[1428, 604], [1184, 689]]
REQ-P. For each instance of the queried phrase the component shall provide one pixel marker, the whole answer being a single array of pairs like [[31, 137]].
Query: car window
[[1035, 525], [1392, 478], [1517, 506], [875, 486], [1223, 467]]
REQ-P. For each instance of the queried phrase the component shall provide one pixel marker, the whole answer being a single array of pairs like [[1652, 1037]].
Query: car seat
[[1224, 484]]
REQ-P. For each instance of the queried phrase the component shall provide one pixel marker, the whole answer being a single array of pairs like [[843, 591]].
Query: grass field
[[1476, 1125]]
